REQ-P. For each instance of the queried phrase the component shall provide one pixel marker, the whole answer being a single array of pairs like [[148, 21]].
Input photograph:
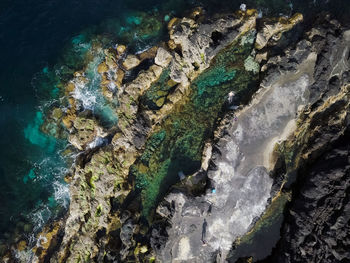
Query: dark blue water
[[42, 42]]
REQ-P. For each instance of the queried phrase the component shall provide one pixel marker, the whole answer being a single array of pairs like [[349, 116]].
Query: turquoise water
[[42, 44]]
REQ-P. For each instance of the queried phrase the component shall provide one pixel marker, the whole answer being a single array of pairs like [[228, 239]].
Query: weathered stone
[[131, 62], [148, 54], [85, 131], [162, 58], [121, 49], [274, 29], [102, 68], [56, 114]]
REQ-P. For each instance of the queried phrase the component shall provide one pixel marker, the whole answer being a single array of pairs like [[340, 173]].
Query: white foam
[[82, 94], [61, 194]]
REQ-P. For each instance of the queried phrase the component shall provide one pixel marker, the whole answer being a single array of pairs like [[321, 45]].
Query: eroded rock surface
[[239, 169], [316, 226]]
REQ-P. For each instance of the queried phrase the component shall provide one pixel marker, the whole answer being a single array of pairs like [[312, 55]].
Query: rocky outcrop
[[272, 29], [318, 200], [131, 62], [315, 228], [101, 186], [300, 113], [205, 227], [187, 117]]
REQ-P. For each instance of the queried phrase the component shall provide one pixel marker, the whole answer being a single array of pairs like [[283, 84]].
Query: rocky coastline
[[233, 128]]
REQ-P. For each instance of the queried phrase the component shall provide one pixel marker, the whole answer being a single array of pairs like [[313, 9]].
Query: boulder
[[162, 58], [131, 62]]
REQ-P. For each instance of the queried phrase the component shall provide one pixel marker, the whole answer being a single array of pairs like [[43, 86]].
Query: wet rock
[[85, 131], [48, 239], [57, 114], [102, 68]]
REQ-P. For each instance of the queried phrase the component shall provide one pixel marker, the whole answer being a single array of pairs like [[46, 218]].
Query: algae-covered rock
[[85, 131], [48, 239], [102, 68]]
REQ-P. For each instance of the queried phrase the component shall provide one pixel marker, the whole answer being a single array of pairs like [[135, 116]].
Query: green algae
[[178, 144], [99, 210], [251, 65]]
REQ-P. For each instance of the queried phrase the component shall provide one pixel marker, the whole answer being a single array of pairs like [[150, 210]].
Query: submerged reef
[[202, 147]]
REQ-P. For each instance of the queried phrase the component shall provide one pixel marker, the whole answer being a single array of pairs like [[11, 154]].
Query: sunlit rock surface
[[239, 170]]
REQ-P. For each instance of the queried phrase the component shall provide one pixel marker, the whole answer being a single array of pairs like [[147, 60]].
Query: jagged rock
[[199, 43], [102, 68], [315, 228], [121, 49], [48, 239], [162, 58], [239, 169], [274, 29], [126, 236], [85, 131], [148, 54]]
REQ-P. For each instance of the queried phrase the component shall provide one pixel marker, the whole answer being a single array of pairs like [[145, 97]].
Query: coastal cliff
[[233, 128]]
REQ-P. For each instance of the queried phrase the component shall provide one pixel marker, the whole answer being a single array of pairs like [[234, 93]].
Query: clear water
[[41, 44]]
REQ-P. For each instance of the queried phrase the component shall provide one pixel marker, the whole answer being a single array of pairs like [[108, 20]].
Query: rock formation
[[215, 137]]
